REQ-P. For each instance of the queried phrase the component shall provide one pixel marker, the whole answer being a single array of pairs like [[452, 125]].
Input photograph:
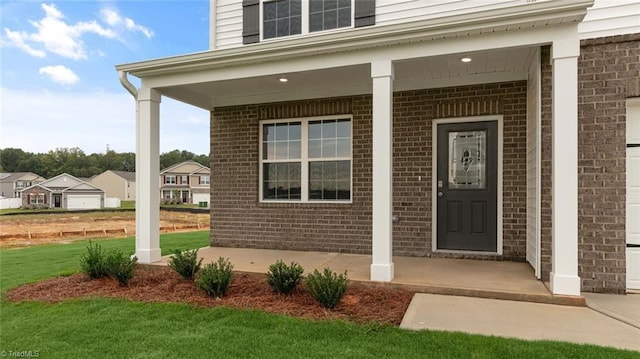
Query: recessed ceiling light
[[465, 59], [283, 79]]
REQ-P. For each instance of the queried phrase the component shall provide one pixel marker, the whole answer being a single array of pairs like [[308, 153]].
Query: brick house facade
[[242, 221], [607, 67], [558, 93]]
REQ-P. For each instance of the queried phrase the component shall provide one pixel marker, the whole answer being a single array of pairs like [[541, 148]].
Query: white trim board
[[434, 186]]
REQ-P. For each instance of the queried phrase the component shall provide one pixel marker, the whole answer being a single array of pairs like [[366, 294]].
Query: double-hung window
[[281, 18], [269, 19], [293, 17], [329, 14], [36, 198], [170, 179], [306, 160]]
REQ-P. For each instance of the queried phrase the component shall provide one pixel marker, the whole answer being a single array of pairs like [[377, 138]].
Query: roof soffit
[[532, 14]]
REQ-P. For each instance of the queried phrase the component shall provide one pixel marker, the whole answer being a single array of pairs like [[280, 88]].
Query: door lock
[[440, 194]]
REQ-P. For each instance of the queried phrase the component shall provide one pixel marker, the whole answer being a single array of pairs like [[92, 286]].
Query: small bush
[[185, 263], [120, 266], [215, 278], [284, 278], [93, 263], [327, 288]]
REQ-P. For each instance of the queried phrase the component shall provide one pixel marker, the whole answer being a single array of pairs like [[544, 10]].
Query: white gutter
[[124, 80]]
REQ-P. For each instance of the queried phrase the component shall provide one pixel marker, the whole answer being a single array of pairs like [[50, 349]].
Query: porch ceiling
[[427, 72]]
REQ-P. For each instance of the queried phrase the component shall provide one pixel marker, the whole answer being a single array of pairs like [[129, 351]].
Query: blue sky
[[58, 83]]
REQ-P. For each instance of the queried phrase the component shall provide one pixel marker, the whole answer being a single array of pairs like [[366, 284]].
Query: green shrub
[[185, 263], [327, 288], [284, 278], [93, 263], [120, 266], [215, 278]]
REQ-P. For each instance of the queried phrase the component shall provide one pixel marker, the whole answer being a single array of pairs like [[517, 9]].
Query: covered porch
[[484, 279], [504, 45]]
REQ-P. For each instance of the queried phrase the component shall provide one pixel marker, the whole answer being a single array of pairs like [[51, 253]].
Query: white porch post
[[382, 260], [564, 251], [148, 176]]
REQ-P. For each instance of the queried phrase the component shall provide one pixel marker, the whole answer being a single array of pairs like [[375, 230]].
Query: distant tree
[[75, 162], [171, 158], [64, 160], [13, 159], [203, 160], [128, 160]]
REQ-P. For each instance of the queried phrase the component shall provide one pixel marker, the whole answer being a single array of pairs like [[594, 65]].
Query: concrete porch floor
[[462, 277]]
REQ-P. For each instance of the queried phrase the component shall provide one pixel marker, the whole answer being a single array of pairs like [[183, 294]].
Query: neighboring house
[[63, 191], [186, 182], [11, 184], [495, 130], [117, 184]]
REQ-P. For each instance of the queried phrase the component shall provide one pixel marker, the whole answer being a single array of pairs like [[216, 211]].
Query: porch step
[[577, 301]]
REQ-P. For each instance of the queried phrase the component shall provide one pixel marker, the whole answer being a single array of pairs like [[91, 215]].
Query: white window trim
[[208, 181], [304, 160], [304, 23], [166, 179], [35, 198]]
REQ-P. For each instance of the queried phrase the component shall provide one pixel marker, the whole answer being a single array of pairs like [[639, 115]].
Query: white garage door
[[200, 197], [633, 194], [83, 202]]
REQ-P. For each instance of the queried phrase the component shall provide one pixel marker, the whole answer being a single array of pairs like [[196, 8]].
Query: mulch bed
[[360, 304]]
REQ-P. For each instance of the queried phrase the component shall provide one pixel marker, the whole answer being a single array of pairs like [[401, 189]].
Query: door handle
[[440, 194]]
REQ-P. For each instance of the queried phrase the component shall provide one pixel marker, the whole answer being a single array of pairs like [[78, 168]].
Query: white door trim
[[434, 180], [534, 157], [633, 195]]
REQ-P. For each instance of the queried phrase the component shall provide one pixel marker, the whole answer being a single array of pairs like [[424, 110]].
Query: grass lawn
[[29, 211], [123, 329], [127, 204]]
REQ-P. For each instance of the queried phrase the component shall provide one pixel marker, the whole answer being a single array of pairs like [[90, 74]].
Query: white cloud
[[57, 36], [111, 17], [90, 120], [17, 39], [114, 19], [60, 74]]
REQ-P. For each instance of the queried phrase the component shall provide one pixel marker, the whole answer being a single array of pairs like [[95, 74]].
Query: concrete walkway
[[530, 321]]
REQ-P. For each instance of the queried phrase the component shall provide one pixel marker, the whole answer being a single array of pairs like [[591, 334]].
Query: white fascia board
[[362, 38], [487, 41]]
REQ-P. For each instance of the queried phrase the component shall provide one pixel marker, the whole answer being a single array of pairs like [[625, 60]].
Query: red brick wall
[[605, 68], [608, 71], [26, 193], [238, 219]]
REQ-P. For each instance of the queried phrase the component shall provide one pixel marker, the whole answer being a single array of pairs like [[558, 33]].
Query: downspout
[[124, 81], [122, 75]]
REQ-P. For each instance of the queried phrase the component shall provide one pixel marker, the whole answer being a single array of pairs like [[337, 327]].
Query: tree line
[[76, 163]]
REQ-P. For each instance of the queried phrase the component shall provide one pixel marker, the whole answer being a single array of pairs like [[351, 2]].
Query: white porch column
[[564, 251], [148, 176], [382, 260]]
